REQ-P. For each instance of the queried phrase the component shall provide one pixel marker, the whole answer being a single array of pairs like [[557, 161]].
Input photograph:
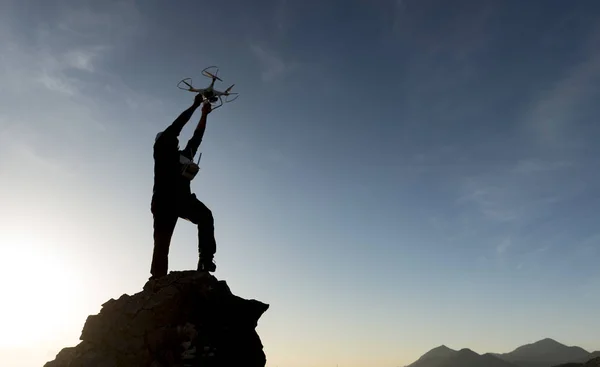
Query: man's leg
[[196, 212], [164, 225]]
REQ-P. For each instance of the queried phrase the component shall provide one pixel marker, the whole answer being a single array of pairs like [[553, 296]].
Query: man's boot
[[206, 264]]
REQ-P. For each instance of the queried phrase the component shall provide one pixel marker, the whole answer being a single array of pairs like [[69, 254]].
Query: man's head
[[159, 135]]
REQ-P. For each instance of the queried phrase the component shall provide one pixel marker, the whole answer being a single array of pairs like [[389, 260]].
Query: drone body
[[209, 93]]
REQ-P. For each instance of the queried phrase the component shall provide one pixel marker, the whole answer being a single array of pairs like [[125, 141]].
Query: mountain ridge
[[546, 352], [443, 356], [594, 362]]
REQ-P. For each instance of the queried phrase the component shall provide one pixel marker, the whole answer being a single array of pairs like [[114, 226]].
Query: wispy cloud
[[590, 288], [43, 63], [265, 47], [278, 158], [58, 67], [589, 248], [52, 69], [64, 59], [552, 114], [56, 83], [533, 258], [273, 65], [459, 33], [492, 200], [19, 151], [503, 246], [537, 165], [89, 22], [82, 59], [519, 192], [281, 17]]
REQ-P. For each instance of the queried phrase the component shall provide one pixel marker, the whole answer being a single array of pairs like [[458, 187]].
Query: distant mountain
[[435, 357], [445, 357], [545, 353], [468, 358], [594, 362]]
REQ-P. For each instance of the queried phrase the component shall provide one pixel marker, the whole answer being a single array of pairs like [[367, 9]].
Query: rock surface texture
[[185, 319]]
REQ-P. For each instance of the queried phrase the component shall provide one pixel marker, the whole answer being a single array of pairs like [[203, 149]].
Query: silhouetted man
[[172, 197]]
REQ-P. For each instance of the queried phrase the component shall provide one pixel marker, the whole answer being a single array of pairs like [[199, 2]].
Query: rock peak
[[186, 319]]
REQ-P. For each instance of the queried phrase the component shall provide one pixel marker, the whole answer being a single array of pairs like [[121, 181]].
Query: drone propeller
[[228, 89], [208, 74], [227, 99], [188, 86]]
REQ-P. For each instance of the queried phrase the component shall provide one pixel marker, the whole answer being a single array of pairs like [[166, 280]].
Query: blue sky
[[395, 175]]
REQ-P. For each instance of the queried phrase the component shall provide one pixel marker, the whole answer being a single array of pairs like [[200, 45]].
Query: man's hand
[[198, 100], [206, 108]]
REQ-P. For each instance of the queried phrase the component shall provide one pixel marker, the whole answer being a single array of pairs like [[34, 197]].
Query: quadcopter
[[209, 93]]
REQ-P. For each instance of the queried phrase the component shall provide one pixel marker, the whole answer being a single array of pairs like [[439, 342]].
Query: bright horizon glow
[[394, 176], [42, 295]]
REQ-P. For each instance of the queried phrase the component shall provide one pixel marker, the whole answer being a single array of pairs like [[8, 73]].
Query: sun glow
[[38, 292]]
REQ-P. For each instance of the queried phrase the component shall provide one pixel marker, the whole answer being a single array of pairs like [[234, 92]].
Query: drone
[[209, 93]]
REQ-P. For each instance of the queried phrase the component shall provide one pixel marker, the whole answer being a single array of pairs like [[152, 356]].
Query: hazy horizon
[[395, 175]]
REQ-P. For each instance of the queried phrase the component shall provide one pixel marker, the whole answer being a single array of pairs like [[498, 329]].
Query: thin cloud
[[509, 201], [503, 246], [281, 17], [493, 201], [47, 59], [589, 288], [118, 22], [18, 151], [537, 165], [588, 248], [83, 59], [51, 69], [551, 115], [530, 259], [56, 83], [278, 158], [523, 191], [52, 62], [273, 65], [458, 35]]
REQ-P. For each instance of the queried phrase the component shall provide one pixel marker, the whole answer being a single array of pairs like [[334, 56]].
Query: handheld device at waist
[[189, 169]]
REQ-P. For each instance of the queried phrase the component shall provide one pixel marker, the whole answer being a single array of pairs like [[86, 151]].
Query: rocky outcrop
[[185, 319]]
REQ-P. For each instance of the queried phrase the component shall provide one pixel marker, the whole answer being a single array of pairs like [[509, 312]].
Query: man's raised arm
[[176, 126], [194, 143]]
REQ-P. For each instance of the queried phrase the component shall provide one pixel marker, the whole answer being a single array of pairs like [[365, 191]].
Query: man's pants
[[165, 218]]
